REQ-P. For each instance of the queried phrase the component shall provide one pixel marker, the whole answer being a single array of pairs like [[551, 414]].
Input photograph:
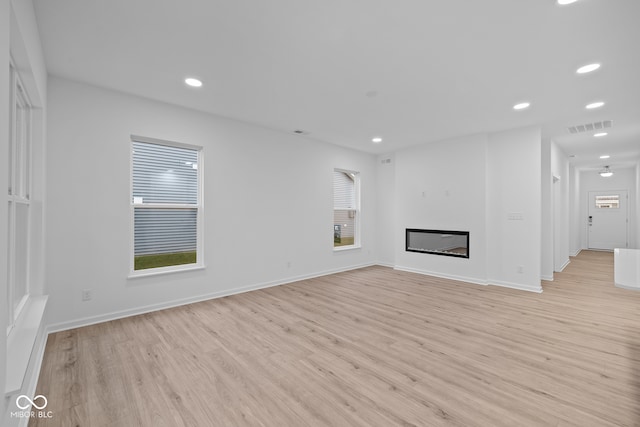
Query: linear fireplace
[[438, 242]]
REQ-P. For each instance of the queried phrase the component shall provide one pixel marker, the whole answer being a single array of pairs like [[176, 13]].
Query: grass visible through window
[[342, 241], [143, 262]]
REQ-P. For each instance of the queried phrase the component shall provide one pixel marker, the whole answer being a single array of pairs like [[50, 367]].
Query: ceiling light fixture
[[193, 82], [600, 135], [588, 68], [377, 140], [594, 105], [565, 2], [606, 156], [606, 172], [521, 106]]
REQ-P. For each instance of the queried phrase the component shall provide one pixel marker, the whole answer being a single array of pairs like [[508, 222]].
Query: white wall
[[4, 154], [268, 202], [561, 211], [622, 179], [575, 245], [386, 209], [475, 184], [20, 40], [637, 204], [440, 186], [514, 187], [546, 253]]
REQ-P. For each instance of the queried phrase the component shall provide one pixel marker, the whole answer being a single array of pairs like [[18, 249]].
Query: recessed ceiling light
[[606, 156], [193, 82], [377, 140], [588, 68], [594, 105], [521, 106], [565, 2], [601, 134]]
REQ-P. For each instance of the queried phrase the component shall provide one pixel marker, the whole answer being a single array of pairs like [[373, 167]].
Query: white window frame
[[19, 190], [358, 210], [199, 264]]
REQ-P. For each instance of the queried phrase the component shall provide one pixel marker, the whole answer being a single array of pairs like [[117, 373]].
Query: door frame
[[626, 215]]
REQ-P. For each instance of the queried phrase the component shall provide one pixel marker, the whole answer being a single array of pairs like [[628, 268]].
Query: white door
[[607, 221]]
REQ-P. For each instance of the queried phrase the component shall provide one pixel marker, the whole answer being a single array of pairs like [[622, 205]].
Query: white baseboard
[[566, 263], [519, 286], [441, 275], [385, 264], [92, 320], [547, 278], [576, 253]]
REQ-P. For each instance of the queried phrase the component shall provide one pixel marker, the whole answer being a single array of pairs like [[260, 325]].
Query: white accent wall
[[386, 209], [546, 253], [441, 186], [513, 189], [489, 185], [560, 207], [268, 200], [575, 238]]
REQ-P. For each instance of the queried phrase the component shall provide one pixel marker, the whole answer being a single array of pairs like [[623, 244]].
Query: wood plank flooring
[[370, 347]]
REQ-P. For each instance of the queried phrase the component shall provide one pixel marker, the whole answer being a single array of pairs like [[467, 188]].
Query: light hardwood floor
[[371, 347]]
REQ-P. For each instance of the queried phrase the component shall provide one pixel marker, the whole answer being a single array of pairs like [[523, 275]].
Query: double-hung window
[[166, 206], [19, 162], [346, 209]]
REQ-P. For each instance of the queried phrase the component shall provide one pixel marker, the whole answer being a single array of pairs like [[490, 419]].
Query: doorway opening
[[607, 221]]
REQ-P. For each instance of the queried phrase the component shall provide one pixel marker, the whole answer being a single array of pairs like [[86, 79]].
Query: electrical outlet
[[520, 269], [288, 264], [87, 294]]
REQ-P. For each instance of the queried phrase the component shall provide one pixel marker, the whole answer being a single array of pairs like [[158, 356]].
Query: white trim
[[148, 140], [165, 270], [198, 207], [357, 240], [566, 263], [472, 280], [63, 326], [627, 229], [21, 342], [20, 185], [346, 248], [547, 278], [519, 286], [442, 275], [385, 264], [576, 253]]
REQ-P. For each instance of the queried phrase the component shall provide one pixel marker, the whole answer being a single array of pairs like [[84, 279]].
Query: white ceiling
[[436, 70]]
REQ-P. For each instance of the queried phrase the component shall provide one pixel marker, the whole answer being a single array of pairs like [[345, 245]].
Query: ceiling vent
[[590, 127]]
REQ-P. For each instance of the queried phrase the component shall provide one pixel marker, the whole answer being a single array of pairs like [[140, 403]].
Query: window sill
[[20, 342], [346, 248], [165, 270]]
